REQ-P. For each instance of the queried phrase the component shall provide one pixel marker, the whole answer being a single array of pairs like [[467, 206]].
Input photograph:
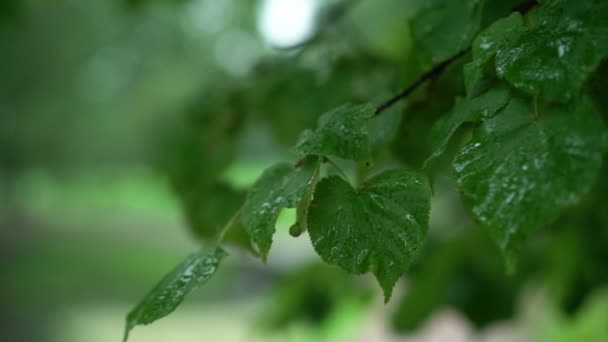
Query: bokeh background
[[91, 95]]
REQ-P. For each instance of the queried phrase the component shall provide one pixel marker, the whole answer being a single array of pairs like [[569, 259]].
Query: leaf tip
[[388, 293]]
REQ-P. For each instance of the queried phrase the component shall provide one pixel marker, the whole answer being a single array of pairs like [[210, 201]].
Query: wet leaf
[[196, 270], [468, 110], [565, 43], [301, 224], [280, 186], [342, 133], [484, 48], [378, 227], [522, 168]]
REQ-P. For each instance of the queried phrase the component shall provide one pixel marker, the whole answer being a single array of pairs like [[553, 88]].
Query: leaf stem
[[439, 68], [435, 71], [227, 226]]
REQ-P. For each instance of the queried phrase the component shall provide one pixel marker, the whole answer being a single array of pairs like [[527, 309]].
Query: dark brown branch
[[434, 72], [439, 68]]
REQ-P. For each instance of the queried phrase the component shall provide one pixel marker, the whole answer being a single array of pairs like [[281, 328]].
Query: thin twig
[[228, 225], [435, 71], [524, 8]]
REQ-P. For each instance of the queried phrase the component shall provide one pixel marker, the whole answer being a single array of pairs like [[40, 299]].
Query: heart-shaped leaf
[[522, 168], [377, 227]]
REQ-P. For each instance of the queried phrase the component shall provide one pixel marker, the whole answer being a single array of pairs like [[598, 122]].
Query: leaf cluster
[[518, 78]]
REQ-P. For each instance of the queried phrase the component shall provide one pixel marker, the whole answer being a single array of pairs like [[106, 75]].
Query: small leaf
[[446, 27], [280, 186], [521, 168], [466, 111], [342, 133], [196, 270], [378, 227], [301, 224], [484, 49]]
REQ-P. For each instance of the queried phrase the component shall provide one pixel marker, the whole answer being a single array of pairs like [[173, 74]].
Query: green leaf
[[496, 9], [412, 144], [522, 168], [342, 133], [466, 111], [196, 270], [484, 48], [446, 27], [565, 43], [378, 227], [301, 224], [280, 186]]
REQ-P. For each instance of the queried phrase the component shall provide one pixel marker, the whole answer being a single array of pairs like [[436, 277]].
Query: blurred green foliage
[[191, 90]]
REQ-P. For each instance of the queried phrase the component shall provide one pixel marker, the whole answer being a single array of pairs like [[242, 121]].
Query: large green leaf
[[468, 110], [446, 27], [196, 270], [565, 43], [280, 186], [521, 168], [378, 227], [342, 133]]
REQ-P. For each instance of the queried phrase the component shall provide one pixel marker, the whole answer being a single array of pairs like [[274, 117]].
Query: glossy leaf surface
[[196, 270], [521, 168], [378, 227], [342, 133], [280, 186]]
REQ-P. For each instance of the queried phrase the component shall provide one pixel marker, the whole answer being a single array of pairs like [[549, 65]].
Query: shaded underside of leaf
[[378, 227], [280, 186]]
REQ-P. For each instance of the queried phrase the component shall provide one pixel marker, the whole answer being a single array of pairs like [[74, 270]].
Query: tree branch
[[524, 8], [435, 71]]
